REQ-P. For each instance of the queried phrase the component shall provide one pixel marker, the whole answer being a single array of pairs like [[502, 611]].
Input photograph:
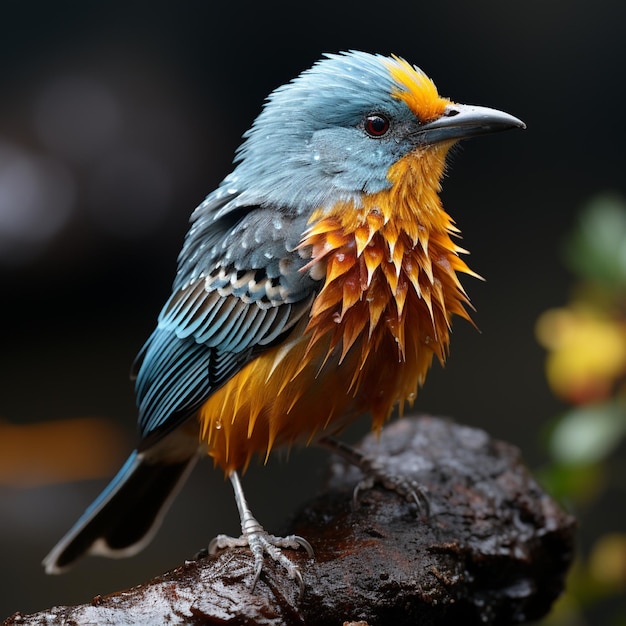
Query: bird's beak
[[460, 121]]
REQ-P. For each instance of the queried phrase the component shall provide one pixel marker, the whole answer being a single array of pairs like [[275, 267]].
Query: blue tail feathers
[[126, 515]]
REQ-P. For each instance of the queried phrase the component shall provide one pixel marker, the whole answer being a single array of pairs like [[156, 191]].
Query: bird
[[317, 283]]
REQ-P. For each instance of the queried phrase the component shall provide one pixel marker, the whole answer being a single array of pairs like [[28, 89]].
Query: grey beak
[[460, 121]]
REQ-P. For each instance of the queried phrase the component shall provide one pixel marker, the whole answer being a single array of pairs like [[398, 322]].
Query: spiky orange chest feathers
[[390, 274], [390, 290]]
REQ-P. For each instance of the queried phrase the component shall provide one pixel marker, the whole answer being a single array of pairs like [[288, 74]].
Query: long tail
[[126, 515]]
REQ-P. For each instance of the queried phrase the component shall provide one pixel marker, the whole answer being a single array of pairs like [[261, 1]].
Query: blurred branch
[[495, 549]]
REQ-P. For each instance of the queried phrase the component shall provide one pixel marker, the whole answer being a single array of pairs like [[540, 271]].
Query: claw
[[303, 543], [366, 483], [298, 575], [409, 490], [375, 472], [261, 542]]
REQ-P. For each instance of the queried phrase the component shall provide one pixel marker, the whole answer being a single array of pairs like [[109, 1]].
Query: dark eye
[[376, 125]]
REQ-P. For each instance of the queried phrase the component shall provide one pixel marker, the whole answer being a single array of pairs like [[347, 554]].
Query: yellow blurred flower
[[586, 351], [607, 561]]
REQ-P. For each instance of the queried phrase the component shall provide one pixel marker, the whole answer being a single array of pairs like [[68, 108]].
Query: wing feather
[[240, 287]]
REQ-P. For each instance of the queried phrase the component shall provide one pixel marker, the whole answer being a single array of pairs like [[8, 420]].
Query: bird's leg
[[375, 472], [259, 541]]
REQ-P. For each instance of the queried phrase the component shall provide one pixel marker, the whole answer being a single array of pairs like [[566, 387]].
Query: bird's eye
[[376, 125]]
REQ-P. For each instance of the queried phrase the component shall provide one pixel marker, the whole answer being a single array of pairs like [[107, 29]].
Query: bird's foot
[[376, 472], [261, 543]]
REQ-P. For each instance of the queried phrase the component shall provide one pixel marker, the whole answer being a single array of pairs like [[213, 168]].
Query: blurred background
[[116, 119]]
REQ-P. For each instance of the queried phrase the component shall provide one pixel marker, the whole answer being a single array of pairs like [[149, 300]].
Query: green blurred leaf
[[596, 249], [588, 434], [575, 485]]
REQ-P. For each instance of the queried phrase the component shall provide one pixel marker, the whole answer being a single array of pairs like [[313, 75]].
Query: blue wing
[[238, 289]]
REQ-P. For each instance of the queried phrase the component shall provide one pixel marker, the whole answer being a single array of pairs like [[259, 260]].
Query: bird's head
[[333, 133]]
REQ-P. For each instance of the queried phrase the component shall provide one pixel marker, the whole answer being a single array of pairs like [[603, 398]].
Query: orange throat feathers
[[390, 278]]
